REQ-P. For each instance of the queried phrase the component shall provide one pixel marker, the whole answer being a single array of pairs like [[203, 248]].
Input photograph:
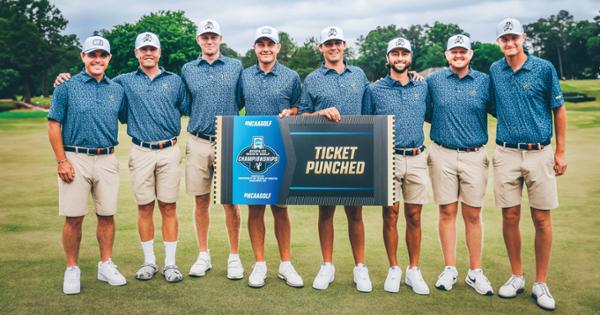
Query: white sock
[[285, 263], [233, 256], [263, 263], [170, 249], [148, 248], [360, 265]]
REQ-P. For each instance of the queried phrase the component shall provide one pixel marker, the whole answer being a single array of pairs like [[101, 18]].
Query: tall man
[[83, 130], [400, 95], [458, 164], [156, 99], [527, 93], [212, 82], [333, 90], [270, 88]]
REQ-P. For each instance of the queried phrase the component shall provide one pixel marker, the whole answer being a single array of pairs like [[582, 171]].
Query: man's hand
[[66, 172], [330, 113], [415, 76], [62, 78], [288, 112], [560, 164]]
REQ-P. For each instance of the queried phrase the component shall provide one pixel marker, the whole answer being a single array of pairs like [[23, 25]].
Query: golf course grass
[[32, 259]]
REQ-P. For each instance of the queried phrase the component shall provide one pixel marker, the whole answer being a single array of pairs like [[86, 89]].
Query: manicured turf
[[32, 261]]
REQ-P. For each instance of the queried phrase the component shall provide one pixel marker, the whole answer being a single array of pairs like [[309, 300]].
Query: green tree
[[438, 33], [306, 58], [287, 48], [548, 37], [31, 41], [432, 57], [177, 39], [484, 54], [228, 51], [372, 50], [249, 58]]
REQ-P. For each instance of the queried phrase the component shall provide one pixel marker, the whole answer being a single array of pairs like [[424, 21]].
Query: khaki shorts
[[411, 177], [96, 174], [535, 169], [199, 169], [155, 174], [458, 175]]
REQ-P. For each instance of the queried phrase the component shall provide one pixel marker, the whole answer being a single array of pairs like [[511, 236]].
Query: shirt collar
[[139, 71], [275, 71], [85, 77], [449, 73], [325, 70], [221, 59], [389, 81], [526, 65]]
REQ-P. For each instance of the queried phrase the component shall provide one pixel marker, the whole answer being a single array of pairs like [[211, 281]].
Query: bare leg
[[390, 233], [202, 220], [170, 225], [473, 234], [256, 229], [283, 232], [512, 237], [542, 220], [447, 232], [232, 221], [71, 238], [356, 233], [145, 221], [412, 213], [326, 232], [105, 233]]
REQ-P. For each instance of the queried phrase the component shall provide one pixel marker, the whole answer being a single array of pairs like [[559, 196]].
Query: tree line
[[33, 49]]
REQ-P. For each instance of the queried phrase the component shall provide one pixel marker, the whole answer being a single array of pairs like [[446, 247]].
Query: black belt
[[158, 145], [210, 138], [524, 146], [475, 149], [410, 152], [90, 151]]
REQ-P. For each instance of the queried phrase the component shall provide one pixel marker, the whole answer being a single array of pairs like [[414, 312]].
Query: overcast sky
[[302, 19]]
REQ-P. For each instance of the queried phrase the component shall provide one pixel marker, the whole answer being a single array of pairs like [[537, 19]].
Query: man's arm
[[560, 126], [62, 78], [66, 172]]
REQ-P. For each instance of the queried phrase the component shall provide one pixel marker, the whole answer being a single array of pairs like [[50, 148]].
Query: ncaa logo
[[258, 157]]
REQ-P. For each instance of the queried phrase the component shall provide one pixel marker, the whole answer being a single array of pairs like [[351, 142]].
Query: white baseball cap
[[267, 32], [509, 26], [330, 33], [209, 26], [459, 41], [95, 43], [399, 42], [147, 39]]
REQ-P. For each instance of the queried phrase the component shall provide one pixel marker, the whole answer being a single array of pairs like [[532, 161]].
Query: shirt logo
[[209, 25], [147, 38], [165, 86], [111, 98], [473, 92], [508, 26], [98, 42], [258, 157], [266, 31], [458, 40], [332, 32], [526, 86]]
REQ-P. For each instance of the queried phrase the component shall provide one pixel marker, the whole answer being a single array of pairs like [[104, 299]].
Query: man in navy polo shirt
[[400, 95], [156, 99], [83, 131], [527, 94], [458, 164], [270, 88], [212, 82], [333, 90]]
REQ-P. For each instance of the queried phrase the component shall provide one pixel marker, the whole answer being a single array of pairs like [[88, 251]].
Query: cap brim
[[333, 38], [399, 48], [151, 45], [458, 46], [267, 37], [94, 49], [509, 33], [208, 32]]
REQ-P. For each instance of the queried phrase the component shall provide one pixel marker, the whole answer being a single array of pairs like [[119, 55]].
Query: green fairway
[[32, 259]]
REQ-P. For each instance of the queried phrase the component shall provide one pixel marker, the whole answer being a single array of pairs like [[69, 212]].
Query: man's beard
[[393, 67]]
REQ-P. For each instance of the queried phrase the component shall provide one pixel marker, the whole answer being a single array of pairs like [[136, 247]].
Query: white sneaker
[[478, 281], [71, 282], [288, 274], [542, 296], [258, 275], [172, 273], [414, 279], [392, 282], [201, 266], [447, 278], [146, 272], [361, 278], [108, 272], [512, 287], [235, 270], [325, 277]]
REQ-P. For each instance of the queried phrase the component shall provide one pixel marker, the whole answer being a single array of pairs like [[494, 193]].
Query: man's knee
[[390, 215], [168, 210], [511, 216]]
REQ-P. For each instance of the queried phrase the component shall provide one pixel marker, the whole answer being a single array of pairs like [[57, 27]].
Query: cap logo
[[98, 42], [209, 26], [400, 42], [508, 26], [147, 38], [332, 32], [458, 40], [266, 31]]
